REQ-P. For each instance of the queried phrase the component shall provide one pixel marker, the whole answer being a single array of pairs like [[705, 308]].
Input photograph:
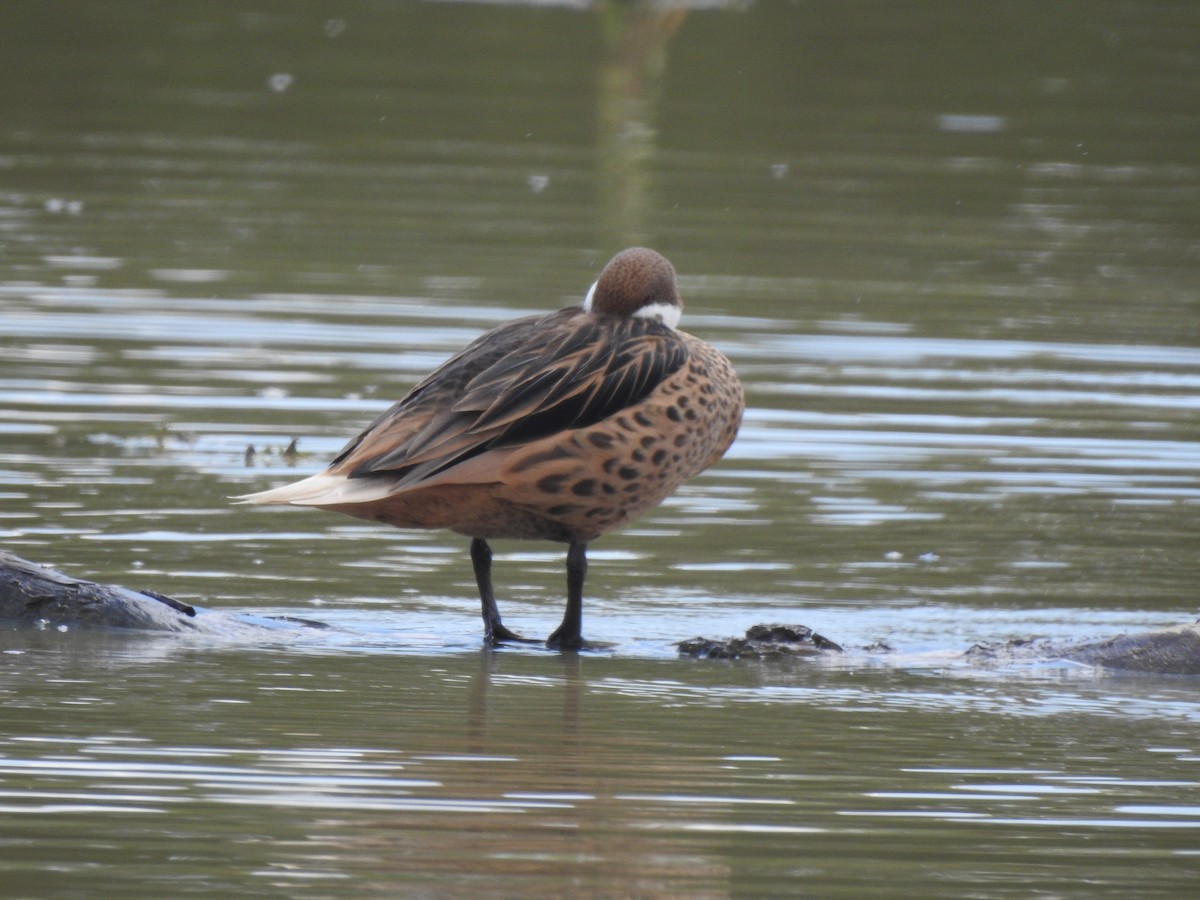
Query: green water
[[952, 252]]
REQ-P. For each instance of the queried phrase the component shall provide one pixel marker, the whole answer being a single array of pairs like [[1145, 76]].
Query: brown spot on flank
[[551, 484]]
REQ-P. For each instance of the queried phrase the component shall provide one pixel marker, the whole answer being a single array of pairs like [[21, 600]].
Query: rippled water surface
[[953, 255]]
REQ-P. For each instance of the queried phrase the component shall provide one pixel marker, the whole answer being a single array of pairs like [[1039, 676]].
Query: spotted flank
[[557, 427]]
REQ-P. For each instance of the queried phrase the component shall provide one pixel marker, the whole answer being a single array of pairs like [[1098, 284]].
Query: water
[[953, 257]]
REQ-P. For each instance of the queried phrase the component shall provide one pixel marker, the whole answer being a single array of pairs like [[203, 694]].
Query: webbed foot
[[574, 643], [497, 634]]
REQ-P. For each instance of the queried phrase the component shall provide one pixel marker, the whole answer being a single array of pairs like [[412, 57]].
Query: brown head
[[637, 282]]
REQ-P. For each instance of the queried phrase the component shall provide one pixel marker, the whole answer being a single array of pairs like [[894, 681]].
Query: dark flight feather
[[526, 380]]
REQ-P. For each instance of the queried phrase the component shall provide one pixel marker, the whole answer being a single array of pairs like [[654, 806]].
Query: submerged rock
[[760, 642], [35, 596], [1171, 651], [32, 594]]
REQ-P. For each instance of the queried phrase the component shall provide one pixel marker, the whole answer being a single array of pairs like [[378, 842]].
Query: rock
[[32, 594], [760, 642], [35, 596], [1171, 651]]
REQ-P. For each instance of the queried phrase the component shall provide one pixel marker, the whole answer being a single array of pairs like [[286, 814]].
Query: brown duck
[[556, 427]]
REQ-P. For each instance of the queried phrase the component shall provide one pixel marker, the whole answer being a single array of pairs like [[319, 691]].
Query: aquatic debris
[[760, 642]]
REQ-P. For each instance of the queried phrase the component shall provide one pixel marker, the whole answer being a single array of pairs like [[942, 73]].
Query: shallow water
[[953, 260]]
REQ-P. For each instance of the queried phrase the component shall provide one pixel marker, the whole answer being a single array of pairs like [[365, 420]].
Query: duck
[[556, 427]]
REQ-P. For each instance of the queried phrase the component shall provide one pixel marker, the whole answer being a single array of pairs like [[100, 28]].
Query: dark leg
[[569, 635], [493, 631]]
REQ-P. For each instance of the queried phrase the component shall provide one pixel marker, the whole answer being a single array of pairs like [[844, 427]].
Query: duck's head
[[637, 282]]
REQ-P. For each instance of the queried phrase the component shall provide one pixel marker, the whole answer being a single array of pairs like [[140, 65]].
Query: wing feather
[[517, 384]]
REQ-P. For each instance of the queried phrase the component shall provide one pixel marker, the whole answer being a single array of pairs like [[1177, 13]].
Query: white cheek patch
[[667, 313], [587, 301]]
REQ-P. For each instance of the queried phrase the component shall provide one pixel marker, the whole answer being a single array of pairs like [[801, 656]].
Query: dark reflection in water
[[950, 250], [636, 38]]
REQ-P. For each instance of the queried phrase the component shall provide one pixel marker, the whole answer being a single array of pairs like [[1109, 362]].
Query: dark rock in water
[[760, 642], [1171, 651], [31, 594], [36, 596]]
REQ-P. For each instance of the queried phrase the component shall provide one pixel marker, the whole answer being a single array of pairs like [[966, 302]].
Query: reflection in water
[[609, 776], [482, 711], [636, 35]]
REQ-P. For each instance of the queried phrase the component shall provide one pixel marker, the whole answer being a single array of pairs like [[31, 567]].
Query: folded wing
[[527, 380]]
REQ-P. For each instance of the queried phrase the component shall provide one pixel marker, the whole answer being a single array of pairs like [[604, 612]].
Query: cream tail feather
[[323, 489], [332, 489]]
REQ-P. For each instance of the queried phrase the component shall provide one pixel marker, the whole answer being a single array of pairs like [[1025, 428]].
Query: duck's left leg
[[494, 631]]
